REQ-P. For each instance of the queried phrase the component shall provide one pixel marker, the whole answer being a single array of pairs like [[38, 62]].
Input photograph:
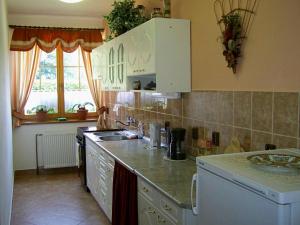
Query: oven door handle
[[79, 138]]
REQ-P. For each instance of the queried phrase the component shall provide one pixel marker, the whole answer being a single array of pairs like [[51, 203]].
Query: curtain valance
[[25, 38]]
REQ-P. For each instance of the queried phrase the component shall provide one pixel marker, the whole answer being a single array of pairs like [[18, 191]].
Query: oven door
[[82, 162]]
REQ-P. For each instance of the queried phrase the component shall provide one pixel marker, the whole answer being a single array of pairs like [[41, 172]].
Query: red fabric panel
[[24, 38], [124, 207]]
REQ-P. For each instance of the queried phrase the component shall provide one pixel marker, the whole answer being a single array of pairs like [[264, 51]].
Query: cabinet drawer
[[110, 161], [150, 215], [146, 190], [170, 209]]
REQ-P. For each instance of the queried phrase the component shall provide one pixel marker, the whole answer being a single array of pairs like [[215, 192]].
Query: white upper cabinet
[[157, 51], [140, 58], [120, 66], [99, 66]]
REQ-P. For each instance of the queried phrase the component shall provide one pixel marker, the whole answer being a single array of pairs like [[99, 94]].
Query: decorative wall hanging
[[234, 18]]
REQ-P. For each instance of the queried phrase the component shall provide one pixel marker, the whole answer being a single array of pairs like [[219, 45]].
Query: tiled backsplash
[[255, 118]]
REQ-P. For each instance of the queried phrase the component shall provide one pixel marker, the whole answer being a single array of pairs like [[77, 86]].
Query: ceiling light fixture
[[70, 1]]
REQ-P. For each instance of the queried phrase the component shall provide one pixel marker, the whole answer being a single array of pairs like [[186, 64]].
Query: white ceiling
[[86, 8]]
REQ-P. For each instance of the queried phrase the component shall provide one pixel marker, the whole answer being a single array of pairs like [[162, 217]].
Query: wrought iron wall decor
[[234, 18]]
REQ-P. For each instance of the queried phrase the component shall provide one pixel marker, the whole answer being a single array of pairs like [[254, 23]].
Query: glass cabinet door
[[120, 64], [111, 66]]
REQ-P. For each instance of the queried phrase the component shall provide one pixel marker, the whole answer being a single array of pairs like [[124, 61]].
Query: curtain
[[24, 66], [25, 38], [95, 87], [124, 208], [10, 33]]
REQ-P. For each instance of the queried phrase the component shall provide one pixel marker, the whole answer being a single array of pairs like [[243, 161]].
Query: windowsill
[[33, 122]]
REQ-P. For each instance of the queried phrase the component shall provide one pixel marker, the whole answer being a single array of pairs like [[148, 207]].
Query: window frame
[[60, 93]]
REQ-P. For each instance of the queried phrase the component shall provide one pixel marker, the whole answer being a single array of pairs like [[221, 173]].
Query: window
[[60, 84]]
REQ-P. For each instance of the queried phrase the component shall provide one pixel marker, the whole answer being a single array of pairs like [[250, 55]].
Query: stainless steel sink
[[114, 138], [114, 135], [107, 133]]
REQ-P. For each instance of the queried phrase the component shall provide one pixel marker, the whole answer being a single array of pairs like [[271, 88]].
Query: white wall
[[24, 141], [54, 21], [6, 163]]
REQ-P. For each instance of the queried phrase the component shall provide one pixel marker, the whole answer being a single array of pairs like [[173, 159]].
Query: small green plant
[[81, 106], [123, 17], [40, 108]]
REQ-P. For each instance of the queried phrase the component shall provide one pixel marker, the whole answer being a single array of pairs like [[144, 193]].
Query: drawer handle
[[160, 220], [168, 208], [151, 211]]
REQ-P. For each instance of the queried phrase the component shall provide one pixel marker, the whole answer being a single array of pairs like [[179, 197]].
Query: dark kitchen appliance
[[176, 151], [81, 152]]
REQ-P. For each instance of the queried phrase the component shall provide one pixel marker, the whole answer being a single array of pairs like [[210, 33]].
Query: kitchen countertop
[[172, 178]]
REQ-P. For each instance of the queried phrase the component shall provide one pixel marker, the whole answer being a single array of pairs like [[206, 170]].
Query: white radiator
[[56, 150]]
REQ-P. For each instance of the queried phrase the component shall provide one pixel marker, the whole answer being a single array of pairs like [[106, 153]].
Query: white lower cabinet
[[99, 171], [149, 214], [154, 208]]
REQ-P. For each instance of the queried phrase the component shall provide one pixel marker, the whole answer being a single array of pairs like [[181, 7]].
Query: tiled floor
[[54, 199]]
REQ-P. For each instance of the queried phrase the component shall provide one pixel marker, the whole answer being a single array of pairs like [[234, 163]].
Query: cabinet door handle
[[151, 211], [168, 208], [160, 220], [145, 189]]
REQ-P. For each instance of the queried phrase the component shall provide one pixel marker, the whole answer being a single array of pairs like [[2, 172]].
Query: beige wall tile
[[191, 105], [284, 142], [209, 107], [224, 111], [188, 125], [244, 136], [171, 106], [225, 107], [286, 114], [113, 97], [262, 111], [148, 102], [242, 109], [226, 134], [259, 140]]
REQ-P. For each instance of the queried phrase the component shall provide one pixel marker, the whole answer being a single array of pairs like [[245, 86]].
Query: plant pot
[[42, 116], [82, 114]]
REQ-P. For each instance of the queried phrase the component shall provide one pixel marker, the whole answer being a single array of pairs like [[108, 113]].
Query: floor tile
[[54, 199]]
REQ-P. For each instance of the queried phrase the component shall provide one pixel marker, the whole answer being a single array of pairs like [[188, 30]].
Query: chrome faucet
[[130, 120], [140, 130]]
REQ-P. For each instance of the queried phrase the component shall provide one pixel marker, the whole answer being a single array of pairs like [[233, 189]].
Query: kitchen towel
[[124, 206]]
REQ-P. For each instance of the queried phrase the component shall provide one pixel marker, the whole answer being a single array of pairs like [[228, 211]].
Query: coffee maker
[[176, 151]]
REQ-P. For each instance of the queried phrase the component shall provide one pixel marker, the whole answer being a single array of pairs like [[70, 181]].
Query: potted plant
[[41, 112], [124, 17], [82, 111]]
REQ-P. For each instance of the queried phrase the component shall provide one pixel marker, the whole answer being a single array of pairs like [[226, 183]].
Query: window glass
[[76, 89], [44, 89]]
